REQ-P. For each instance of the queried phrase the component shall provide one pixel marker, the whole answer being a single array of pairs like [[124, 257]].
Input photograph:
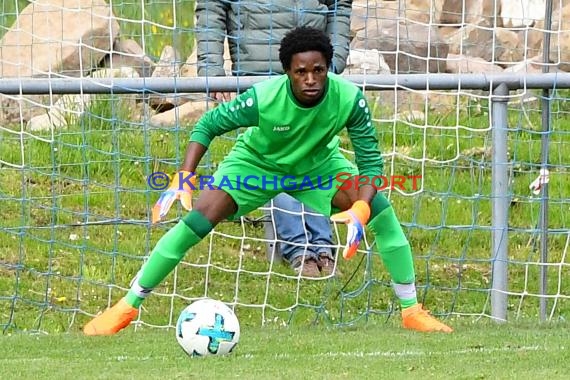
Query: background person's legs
[[303, 236], [321, 239]]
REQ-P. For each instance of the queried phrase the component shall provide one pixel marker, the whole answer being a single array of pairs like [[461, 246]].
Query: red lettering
[[414, 179], [360, 180], [382, 185], [398, 180], [346, 183]]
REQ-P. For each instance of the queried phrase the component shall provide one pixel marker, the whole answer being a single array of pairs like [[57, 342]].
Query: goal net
[[74, 168]]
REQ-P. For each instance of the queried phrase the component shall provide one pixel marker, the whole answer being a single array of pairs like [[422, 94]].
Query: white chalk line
[[405, 353], [330, 354]]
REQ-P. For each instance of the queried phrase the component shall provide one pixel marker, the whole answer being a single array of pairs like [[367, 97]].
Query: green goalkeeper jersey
[[288, 138]]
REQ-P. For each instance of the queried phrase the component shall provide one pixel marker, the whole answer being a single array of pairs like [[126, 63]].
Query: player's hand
[[356, 218], [222, 96], [180, 189]]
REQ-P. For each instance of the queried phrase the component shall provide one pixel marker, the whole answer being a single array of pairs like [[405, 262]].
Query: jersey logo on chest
[[281, 128]]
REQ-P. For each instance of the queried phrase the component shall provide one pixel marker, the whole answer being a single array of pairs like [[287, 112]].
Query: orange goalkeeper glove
[[356, 218], [181, 188]]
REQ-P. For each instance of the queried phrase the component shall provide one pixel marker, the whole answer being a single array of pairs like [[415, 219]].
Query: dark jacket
[[255, 30]]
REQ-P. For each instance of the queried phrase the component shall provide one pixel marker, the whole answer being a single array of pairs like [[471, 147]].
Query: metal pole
[[84, 85], [500, 203], [543, 223]]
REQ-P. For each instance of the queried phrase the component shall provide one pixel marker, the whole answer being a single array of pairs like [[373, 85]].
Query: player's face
[[308, 75]]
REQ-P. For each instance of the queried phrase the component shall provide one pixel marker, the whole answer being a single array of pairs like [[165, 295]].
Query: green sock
[[394, 249], [408, 302], [166, 255]]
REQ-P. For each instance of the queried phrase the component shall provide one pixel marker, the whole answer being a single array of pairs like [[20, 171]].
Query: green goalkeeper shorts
[[252, 184]]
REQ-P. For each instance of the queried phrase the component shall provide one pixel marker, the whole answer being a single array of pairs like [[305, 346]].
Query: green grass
[[9, 11], [376, 350]]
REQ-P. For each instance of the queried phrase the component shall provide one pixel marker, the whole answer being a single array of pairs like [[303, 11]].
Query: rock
[[67, 37], [421, 11], [477, 12], [190, 67], [533, 65], [68, 109], [187, 113], [560, 39], [461, 64], [500, 45], [128, 53], [366, 62], [58, 36], [168, 66], [413, 53], [517, 13], [365, 12]]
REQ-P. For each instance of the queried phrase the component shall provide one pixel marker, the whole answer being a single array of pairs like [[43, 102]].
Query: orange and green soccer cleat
[[112, 320], [416, 318]]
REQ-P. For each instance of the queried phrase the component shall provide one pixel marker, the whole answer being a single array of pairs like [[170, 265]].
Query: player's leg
[[396, 254], [211, 207], [225, 197]]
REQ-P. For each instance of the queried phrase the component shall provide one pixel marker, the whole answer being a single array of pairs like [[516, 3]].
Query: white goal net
[[76, 203]]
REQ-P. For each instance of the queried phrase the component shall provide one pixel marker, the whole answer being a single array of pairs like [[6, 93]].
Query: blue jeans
[[311, 236]]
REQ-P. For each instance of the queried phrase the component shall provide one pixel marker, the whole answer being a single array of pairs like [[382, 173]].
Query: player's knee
[[386, 227], [395, 245], [198, 223]]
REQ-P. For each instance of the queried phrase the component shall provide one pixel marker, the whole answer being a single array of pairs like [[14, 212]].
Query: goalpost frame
[[371, 82], [499, 85]]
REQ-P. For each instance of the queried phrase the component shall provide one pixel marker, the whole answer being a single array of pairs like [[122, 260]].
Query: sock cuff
[[405, 291], [198, 223], [139, 290]]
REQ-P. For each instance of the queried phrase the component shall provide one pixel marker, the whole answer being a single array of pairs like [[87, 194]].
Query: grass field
[[374, 351]]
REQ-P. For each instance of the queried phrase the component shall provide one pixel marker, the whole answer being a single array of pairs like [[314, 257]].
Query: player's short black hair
[[302, 39]]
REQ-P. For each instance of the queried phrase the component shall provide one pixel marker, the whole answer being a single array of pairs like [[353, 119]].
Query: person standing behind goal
[[254, 31]]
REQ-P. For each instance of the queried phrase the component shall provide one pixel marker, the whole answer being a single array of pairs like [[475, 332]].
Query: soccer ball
[[207, 327]]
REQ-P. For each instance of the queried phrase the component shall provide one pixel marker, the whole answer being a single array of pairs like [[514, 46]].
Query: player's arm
[[338, 29], [240, 112], [226, 117], [365, 145], [194, 153], [370, 163]]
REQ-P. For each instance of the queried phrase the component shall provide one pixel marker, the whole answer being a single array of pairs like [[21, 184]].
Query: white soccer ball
[[207, 327]]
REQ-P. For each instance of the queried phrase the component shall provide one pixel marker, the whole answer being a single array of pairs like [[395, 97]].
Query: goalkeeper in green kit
[[293, 122]]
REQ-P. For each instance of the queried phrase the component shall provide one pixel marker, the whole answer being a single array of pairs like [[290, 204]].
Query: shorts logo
[[281, 128]]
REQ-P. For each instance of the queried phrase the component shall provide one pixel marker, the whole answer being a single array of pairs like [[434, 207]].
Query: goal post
[[486, 221]]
